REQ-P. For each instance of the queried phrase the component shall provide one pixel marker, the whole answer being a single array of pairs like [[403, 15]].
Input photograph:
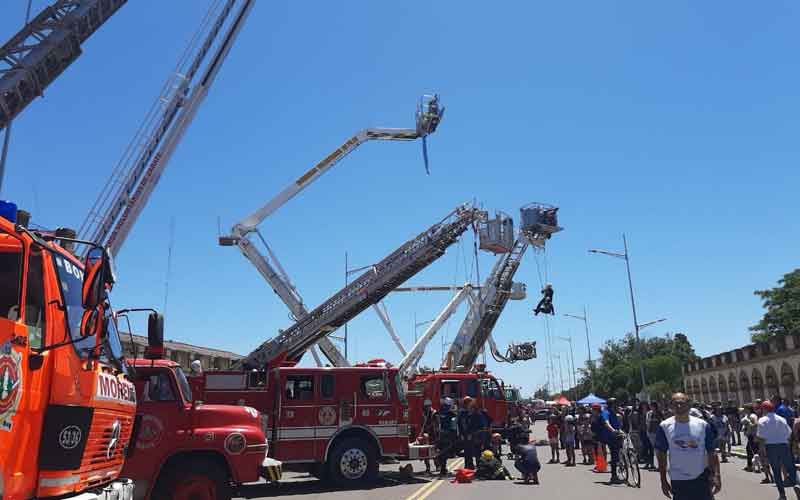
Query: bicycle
[[628, 469]]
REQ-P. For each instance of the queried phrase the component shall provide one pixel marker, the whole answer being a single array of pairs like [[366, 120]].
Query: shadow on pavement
[[309, 485]]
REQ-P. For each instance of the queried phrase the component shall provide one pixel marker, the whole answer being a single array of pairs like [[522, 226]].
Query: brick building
[[184, 354], [755, 371]]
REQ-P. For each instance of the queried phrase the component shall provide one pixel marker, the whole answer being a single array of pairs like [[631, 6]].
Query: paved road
[[557, 483]]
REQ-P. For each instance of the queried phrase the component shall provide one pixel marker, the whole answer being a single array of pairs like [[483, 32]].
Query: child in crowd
[[552, 437], [587, 439]]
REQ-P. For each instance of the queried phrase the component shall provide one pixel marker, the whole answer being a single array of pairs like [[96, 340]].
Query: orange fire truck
[[66, 403]]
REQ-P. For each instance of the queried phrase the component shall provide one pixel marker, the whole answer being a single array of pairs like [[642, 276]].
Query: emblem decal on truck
[[327, 416], [110, 388], [150, 433], [10, 384], [70, 437]]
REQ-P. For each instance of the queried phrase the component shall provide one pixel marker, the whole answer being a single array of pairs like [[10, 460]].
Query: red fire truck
[[480, 385], [335, 423], [183, 449]]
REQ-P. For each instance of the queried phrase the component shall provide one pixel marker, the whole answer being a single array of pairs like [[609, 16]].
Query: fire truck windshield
[[184, 384], [70, 277]]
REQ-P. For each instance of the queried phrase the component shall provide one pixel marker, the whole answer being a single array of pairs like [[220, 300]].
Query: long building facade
[[182, 353], [755, 371]]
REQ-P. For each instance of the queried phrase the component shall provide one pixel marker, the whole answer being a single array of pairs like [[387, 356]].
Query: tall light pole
[[572, 364], [560, 372], [625, 257], [585, 319]]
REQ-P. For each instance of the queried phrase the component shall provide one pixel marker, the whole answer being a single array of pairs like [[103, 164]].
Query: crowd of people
[[769, 431], [685, 443]]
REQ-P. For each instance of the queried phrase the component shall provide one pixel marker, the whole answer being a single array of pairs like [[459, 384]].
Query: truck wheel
[[353, 461], [193, 480]]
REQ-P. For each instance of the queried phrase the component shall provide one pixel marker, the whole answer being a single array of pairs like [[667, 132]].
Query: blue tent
[[592, 399]]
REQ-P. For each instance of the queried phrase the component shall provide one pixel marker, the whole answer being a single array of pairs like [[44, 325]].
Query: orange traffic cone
[[600, 463]]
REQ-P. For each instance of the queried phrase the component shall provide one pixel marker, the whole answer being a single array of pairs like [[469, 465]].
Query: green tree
[[783, 309], [616, 373]]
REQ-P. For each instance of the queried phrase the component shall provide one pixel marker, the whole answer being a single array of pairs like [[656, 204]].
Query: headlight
[[235, 443]]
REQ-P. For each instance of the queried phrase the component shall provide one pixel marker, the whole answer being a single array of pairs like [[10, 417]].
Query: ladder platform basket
[[539, 222], [496, 235]]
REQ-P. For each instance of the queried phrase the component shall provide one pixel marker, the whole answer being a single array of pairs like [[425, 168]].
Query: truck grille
[[102, 452]]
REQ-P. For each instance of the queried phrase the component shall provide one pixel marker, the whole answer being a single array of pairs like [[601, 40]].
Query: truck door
[[493, 401], [328, 418], [298, 417], [162, 416]]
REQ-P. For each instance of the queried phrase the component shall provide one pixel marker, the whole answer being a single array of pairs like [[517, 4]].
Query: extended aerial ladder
[[539, 222], [34, 57], [408, 365], [369, 288], [428, 116], [136, 175]]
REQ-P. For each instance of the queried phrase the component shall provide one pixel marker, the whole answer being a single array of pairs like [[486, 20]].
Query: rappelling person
[[546, 304]]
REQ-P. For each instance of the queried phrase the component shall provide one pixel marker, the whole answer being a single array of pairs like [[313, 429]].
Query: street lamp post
[[625, 257], [572, 364], [560, 372], [585, 319]]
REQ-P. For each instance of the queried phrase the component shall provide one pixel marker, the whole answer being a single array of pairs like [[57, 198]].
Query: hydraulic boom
[[34, 57], [428, 116], [367, 289], [138, 172]]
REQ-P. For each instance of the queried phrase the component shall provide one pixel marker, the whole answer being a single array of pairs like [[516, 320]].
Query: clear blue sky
[[675, 122]]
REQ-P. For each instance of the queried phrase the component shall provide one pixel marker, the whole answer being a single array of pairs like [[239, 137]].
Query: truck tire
[[353, 461], [194, 479]]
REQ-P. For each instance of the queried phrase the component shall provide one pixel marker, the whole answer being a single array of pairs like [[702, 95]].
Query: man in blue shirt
[[693, 464], [782, 409], [611, 436]]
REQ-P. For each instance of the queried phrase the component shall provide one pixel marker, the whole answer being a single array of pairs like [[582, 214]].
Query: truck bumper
[[121, 489], [271, 469]]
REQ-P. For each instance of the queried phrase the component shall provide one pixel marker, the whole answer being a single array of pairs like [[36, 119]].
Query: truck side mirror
[[98, 269], [155, 330], [91, 322], [91, 291]]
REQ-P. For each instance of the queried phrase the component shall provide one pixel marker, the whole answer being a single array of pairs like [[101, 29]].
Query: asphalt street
[[557, 482]]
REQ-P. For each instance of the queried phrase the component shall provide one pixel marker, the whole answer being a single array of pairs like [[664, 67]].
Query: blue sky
[[675, 123]]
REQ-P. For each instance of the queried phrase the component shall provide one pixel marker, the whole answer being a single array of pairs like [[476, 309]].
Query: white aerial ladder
[[139, 170], [539, 222], [408, 365], [368, 289], [428, 116]]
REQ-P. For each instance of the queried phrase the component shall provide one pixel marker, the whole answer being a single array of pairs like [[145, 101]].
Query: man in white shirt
[[774, 432], [693, 464]]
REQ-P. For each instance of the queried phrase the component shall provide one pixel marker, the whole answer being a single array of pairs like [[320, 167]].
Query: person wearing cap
[[611, 436], [688, 441], [472, 425], [774, 433], [430, 430]]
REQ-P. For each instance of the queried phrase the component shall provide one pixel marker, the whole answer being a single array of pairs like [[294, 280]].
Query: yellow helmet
[[487, 454]]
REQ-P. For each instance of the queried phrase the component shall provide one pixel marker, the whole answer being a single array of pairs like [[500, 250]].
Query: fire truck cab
[[66, 401], [480, 385], [186, 449], [336, 423]]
